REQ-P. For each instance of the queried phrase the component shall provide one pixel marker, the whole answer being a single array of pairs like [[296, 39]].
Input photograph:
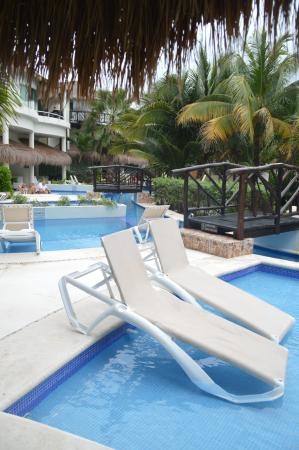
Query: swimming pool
[[132, 396], [65, 234]]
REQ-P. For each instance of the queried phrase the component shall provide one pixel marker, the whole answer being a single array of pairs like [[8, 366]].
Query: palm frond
[[202, 111]]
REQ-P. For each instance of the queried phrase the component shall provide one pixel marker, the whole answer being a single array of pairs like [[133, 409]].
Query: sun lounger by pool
[[3, 196], [234, 303], [18, 226], [152, 212], [158, 313]]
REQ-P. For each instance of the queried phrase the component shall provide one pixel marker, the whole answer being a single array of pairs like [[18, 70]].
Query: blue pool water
[[258, 250], [132, 396], [64, 234]]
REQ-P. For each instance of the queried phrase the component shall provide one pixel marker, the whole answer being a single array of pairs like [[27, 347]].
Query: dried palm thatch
[[128, 160], [83, 39], [51, 156], [21, 155], [74, 152]]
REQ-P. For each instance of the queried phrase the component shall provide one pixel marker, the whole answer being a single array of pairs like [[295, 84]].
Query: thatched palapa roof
[[82, 39], [22, 155]]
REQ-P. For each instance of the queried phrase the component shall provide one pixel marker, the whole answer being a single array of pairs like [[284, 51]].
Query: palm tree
[[253, 105], [96, 133], [152, 132], [9, 98]]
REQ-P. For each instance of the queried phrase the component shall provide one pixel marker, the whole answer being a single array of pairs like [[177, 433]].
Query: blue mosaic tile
[[39, 392], [293, 273]]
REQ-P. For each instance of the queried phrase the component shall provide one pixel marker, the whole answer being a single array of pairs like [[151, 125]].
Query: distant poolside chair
[[76, 179], [150, 213], [158, 313], [3, 196], [233, 302], [18, 226]]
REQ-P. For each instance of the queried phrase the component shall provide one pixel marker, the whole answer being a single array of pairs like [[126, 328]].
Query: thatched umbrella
[[19, 154], [74, 152], [51, 156], [82, 39], [22, 155], [130, 160]]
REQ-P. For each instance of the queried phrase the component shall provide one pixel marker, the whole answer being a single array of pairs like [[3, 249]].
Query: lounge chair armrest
[[164, 281], [92, 268]]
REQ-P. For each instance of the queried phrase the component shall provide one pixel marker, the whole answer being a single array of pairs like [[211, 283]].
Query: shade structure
[[22, 155], [81, 39]]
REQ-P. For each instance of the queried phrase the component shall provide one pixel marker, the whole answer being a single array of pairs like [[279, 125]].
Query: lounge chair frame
[[145, 219], [117, 308], [19, 236]]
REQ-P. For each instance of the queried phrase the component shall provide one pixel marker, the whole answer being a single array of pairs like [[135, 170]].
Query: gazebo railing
[[249, 198], [120, 178]]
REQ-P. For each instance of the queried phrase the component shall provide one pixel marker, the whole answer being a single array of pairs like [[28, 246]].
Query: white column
[[31, 168], [63, 148], [5, 136], [66, 108]]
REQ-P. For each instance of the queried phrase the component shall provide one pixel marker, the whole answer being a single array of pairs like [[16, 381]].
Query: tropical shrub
[[63, 201], [5, 179], [19, 199]]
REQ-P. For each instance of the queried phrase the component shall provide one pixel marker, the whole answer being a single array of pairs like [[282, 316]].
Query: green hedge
[[5, 179], [169, 191]]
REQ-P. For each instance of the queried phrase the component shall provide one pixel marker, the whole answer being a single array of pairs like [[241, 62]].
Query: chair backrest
[[17, 217], [127, 266], [169, 244], [153, 212]]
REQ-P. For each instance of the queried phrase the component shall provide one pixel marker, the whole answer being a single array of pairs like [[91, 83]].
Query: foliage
[[95, 200], [9, 98], [254, 109], [5, 179], [96, 133], [63, 201], [169, 191], [36, 203], [19, 199]]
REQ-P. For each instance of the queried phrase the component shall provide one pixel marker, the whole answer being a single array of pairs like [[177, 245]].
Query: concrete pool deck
[[35, 337]]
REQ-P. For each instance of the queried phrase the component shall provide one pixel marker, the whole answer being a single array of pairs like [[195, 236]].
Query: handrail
[[242, 169], [268, 191], [205, 166], [50, 114]]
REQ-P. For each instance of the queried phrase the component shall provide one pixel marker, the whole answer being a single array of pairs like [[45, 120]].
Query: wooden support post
[[185, 200], [94, 178], [241, 207], [278, 199], [223, 192], [118, 179]]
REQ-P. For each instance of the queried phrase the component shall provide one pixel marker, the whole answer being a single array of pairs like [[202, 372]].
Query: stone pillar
[[63, 148], [5, 136], [31, 168]]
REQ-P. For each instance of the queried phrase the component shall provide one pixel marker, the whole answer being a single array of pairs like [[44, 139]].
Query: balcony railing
[[51, 114], [77, 117]]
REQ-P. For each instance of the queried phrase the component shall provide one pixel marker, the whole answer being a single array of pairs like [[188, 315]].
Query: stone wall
[[145, 197], [217, 245]]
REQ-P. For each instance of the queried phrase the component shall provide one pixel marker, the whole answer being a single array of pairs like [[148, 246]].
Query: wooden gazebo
[[242, 201]]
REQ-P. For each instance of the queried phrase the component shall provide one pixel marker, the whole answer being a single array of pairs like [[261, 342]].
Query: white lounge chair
[[162, 316], [152, 212], [18, 226], [76, 179], [3, 196], [233, 302]]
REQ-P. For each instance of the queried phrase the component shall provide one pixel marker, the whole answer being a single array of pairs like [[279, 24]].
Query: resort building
[[35, 142]]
